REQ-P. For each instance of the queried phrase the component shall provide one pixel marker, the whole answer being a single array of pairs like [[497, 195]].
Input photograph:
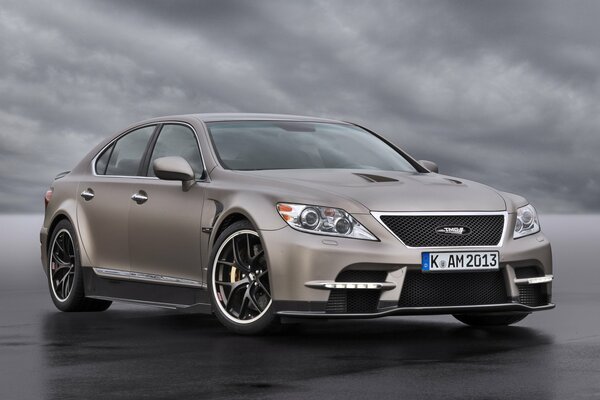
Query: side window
[[102, 161], [178, 140], [127, 153]]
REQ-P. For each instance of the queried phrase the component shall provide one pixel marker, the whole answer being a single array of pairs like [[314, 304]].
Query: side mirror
[[174, 169], [429, 165]]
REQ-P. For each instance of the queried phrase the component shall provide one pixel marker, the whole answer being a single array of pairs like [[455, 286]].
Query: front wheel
[[497, 319], [239, 281]]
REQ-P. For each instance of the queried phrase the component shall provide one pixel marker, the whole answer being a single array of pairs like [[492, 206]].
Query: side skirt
[[155, 294]]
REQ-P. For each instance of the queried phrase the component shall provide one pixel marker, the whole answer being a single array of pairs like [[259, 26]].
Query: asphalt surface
[[132, 352]]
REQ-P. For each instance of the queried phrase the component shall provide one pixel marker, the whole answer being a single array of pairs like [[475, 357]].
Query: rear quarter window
[[102, 161], [124, 157]]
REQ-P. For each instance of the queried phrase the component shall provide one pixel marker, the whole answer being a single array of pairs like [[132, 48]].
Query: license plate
[[460, 261]]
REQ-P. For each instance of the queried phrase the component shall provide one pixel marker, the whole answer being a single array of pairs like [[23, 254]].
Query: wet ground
[[132, 352]]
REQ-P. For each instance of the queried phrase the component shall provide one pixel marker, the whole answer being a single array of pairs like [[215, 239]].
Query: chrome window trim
[[379, 214], [155, 124], [144, 277]]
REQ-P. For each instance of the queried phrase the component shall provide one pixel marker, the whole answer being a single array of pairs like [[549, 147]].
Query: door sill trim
[[170, 306], [143, 277]]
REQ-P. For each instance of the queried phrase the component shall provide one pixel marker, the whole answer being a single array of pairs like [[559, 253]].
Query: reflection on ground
[[135, 352]]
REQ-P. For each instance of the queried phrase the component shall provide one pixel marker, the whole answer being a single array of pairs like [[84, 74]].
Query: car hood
[[392, 190]]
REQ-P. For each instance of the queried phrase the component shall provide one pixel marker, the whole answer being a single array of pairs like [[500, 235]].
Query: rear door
[[105, 198], [165, 229]]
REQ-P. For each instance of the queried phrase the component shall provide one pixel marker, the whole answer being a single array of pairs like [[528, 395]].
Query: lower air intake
[[353, 301], [423, 289], [532, 295]]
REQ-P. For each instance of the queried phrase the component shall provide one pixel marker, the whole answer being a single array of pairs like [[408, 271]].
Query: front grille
[[420, 230], [422, 289], [356, 301], [532, 295]]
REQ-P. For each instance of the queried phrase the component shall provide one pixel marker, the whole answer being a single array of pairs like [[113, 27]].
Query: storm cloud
[[506, 93]]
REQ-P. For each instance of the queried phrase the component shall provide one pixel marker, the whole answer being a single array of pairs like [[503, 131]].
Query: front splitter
[[506, 307]]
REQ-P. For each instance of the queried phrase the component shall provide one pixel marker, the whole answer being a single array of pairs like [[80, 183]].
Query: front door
[[165, 223]]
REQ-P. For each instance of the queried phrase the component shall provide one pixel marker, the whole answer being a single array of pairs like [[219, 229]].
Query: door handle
[[87, 194], [140, 197]]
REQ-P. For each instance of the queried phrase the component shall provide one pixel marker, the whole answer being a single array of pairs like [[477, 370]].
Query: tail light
[[48, 197]]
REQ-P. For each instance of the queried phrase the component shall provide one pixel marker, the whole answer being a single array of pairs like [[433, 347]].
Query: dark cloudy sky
[[503, 92]]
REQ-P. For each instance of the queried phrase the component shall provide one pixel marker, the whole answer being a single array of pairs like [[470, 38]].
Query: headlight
[[527, 222], [323, 221]]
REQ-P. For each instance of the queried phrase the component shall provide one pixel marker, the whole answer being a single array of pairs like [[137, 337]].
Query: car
[[268, 220]]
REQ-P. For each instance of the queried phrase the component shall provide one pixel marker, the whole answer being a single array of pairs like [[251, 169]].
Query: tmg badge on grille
[[460, 261], [453, 230]]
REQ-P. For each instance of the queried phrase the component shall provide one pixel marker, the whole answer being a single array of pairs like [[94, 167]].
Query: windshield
[[256, 145]]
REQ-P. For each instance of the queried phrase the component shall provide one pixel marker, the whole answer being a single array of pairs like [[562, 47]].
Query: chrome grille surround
[[504, 214]]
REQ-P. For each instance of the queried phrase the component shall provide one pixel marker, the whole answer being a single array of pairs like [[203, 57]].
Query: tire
[[64, 255], [492, 319], [235, 280]]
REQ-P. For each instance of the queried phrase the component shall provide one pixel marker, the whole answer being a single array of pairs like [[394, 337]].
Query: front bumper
[[304, 271]]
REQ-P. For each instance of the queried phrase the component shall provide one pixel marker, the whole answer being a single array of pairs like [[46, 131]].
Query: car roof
[[215, 117]]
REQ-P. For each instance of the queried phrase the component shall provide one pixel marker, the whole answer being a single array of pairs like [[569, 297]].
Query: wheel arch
[[61, 216], [223, 221], [227, 219], [56, 219]]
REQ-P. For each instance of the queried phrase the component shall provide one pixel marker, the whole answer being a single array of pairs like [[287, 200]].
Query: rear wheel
[[239, 281], [65, 278], [490, 319]]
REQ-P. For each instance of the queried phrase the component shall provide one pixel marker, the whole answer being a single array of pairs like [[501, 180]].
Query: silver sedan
[[262, 219]]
